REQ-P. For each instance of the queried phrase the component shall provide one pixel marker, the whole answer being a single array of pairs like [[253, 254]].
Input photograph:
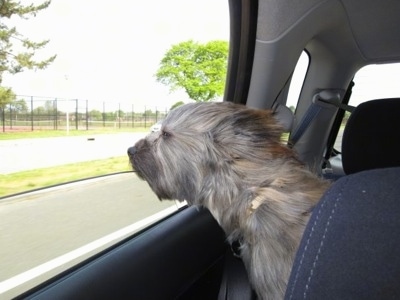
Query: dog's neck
[[232, 208]]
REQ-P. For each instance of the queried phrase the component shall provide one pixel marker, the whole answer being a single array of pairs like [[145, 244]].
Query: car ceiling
[[340, 36], [353, 33], [374, 24]]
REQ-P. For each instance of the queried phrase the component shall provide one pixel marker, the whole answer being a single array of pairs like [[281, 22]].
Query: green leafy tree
[[96, 115], [50, 106], [198, 69], [119, 114], [19, 106], [6, 97], [17, 52]]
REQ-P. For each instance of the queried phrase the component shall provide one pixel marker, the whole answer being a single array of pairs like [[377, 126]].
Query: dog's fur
[[230, 159]]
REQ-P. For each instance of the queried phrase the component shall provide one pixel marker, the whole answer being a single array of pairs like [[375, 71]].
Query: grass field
[[34, 179], [28, 180]]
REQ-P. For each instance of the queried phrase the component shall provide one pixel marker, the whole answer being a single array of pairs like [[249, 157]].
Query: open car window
[[103, 84]]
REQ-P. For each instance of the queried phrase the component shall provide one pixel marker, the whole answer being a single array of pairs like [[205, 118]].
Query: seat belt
[[323, 98], [235, 283], [336, 127]]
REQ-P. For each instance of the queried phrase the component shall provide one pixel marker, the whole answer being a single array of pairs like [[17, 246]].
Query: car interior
[[350, 247]]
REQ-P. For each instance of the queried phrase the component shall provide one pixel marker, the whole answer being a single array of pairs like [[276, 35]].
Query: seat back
[[350, 248], [371, 138]]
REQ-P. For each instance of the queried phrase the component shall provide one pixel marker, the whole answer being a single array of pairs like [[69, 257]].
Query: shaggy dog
[[230, 159]]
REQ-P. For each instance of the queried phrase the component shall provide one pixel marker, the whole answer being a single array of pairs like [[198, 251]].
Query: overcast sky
[[110, 50]]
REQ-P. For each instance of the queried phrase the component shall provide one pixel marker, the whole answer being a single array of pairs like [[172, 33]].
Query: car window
[[372, 82], [297, 81], [76, 119]]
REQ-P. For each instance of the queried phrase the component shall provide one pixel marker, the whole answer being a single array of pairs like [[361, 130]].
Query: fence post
[[76, 114], [119, 115], [133, 116], [87, 115], [32, 113], [3, 118], [55, 117], [104, 114], [145, 117], [10, 115]]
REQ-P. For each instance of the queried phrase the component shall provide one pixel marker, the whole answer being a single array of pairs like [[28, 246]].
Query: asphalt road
[[45, 225], [28, 154], [42, 227]]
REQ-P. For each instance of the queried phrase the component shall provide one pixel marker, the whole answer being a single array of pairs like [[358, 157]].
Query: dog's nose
[[131, 150]]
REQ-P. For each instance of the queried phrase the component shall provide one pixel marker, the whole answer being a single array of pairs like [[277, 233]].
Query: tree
[[50, 106], [6, 96], [16, 51], [199, 69], [96, 115], [119, 114], [19, 106]]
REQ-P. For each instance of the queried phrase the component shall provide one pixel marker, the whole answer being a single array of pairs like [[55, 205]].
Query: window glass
[[372, 82], [76, 119], [297, 81]]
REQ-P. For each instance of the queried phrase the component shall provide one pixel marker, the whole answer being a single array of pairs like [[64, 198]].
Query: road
[[48, 225], [42, 227], [45, 225], [28, 154]]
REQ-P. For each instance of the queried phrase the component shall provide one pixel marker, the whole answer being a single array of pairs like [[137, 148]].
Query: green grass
[[34, 179], [61, 133], [28, 180]]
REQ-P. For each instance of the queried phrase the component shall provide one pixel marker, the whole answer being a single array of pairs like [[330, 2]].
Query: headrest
[[371, 138]]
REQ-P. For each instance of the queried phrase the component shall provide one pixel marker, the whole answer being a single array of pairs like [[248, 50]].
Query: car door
[[179, 256]]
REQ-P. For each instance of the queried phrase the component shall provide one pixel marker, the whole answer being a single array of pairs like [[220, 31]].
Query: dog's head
[[207, 148]]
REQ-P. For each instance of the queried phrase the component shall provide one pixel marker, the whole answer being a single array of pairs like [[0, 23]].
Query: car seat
[[371, 138], [350, 248]]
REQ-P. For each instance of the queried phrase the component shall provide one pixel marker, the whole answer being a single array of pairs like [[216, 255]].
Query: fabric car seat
[[350, 248]]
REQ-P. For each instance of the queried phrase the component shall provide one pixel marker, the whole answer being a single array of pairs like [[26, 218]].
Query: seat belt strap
[[310, 114], [235, 284], [318, 102]]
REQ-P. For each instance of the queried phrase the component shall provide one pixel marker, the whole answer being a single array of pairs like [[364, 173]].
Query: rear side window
[[297, 81], [372, 82]]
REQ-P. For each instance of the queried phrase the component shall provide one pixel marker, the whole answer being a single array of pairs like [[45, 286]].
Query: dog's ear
[[249, 134], [257, 124]]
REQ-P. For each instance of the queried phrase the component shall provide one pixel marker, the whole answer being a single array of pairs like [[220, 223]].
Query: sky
[[110, 50]]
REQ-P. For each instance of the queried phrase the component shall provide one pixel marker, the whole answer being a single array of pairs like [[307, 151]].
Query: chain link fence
[[30, 113]]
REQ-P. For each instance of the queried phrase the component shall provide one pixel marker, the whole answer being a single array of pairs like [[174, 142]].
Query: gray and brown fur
[[230, 159]]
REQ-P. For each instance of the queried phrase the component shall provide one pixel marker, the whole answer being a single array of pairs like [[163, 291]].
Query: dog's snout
[[132, 150]]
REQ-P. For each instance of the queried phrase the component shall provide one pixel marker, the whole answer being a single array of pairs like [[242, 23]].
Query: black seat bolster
[[350, 248]]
